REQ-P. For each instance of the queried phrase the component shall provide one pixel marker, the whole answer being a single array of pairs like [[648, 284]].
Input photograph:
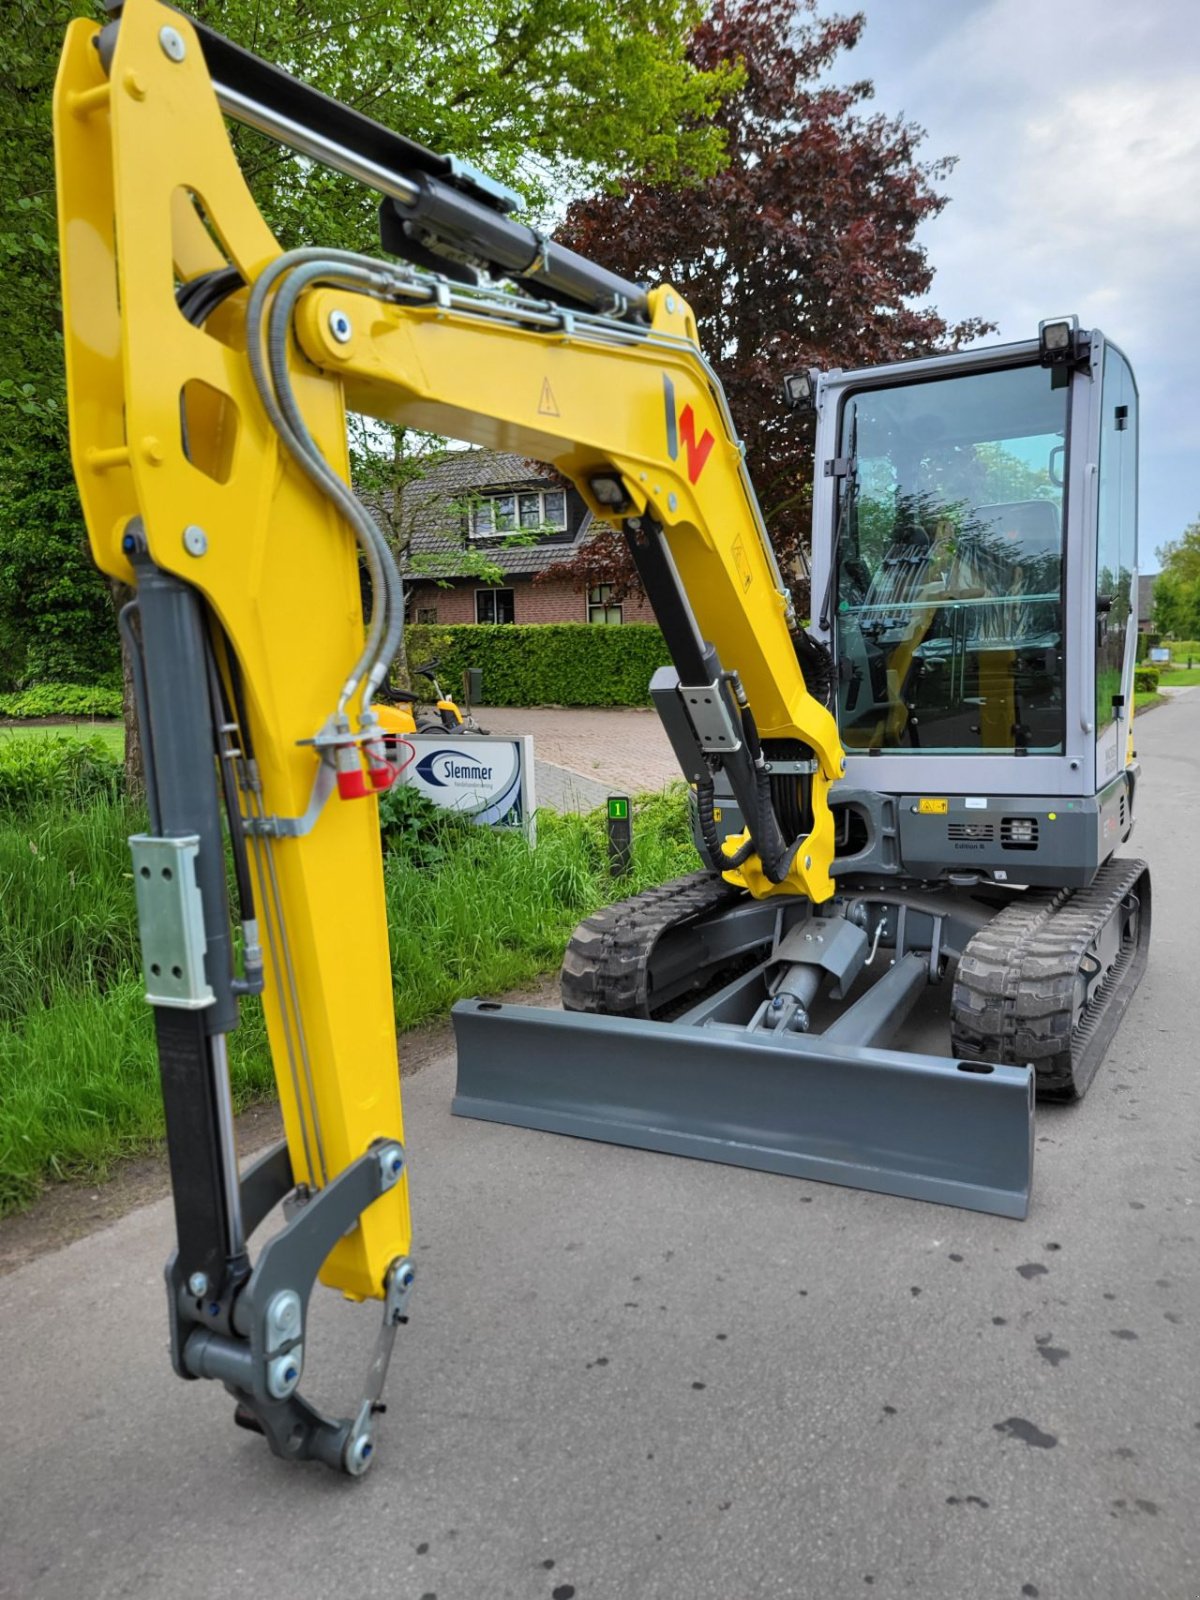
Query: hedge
[[1145, 680], [62, 700], [552, 663]]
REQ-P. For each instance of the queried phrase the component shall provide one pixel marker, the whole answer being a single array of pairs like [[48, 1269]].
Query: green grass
[[471, 912], [1145, 698], [1178, 677], [112, 733]]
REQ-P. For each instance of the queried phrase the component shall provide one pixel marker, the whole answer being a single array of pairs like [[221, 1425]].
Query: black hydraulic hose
[[200, 297], [222, 718], [705, 803], [775, 854]]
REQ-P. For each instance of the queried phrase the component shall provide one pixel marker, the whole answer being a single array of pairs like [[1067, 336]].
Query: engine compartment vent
[[1019, 833], [970, 832]]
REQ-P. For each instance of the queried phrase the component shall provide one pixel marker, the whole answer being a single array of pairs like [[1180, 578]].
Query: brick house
[[477, 500]]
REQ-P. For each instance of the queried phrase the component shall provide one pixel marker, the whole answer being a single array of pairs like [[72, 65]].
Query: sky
[[1077, 128]]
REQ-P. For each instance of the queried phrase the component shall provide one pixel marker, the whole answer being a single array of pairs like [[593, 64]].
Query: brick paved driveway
[[617, 748]]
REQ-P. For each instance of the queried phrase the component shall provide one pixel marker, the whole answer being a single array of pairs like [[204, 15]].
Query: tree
[[544, 93], [1177, 588], [800, 252]]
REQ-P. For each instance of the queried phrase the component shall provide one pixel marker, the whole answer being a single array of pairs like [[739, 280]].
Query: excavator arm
[[209, 376]]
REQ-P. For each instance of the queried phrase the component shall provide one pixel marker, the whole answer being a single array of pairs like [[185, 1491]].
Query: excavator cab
[[975, 559]]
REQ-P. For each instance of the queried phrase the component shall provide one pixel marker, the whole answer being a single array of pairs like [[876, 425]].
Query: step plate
[[923, 1127]]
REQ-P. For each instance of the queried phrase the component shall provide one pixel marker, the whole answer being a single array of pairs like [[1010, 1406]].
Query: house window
[[600, 606], [426, 614], [530, 511], [494, 605]]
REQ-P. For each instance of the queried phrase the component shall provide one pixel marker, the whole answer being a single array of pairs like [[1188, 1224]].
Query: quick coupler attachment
[[923, 1127], [254, 1343]]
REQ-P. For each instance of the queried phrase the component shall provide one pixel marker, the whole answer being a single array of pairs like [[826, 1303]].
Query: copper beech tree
[[801, 251]]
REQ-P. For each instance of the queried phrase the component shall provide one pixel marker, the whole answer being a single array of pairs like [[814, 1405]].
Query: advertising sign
[[486, 778]]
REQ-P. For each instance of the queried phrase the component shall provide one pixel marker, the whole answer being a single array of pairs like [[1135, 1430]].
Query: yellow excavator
[[930, 781]]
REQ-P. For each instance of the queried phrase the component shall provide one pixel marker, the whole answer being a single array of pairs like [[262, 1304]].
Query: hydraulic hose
[[705, 802], [271, 378]]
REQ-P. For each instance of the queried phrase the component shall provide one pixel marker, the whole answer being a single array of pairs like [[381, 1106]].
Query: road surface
[[631, 1377]]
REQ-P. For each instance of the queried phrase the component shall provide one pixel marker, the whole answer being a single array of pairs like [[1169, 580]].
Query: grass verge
[[471, 912]]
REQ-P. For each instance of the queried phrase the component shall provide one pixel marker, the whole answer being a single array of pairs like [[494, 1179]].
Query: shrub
[[557, 663], [1145, 680], [58, 770], [62, 700]]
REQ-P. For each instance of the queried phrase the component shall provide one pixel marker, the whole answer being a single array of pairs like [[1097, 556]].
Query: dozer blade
[[923, 1127]]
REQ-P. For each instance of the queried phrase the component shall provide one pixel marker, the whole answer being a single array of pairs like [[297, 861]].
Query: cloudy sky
[[1077, 127]]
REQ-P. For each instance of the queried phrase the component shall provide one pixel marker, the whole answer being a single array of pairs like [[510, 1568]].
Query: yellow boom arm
[[192, 494]]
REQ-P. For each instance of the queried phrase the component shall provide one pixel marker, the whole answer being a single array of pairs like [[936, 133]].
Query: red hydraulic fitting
[[380, 770], [351, 780]]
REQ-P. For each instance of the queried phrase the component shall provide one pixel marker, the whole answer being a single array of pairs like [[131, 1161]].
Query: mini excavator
[[929, 783]]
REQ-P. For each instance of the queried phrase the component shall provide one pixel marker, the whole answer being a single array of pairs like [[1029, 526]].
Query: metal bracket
[[297, 827], [711, 719], [170, 913], [790, 768]]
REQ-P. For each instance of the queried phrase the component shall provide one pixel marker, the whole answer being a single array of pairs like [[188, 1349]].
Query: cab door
[[1116, 561]]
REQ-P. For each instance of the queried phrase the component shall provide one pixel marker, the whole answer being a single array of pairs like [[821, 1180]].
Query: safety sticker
[[742, 562], [929, 807]]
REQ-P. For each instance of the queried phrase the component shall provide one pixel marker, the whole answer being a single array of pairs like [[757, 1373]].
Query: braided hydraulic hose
[[274, 386]]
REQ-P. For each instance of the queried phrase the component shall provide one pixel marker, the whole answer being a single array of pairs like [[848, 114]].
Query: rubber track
[[606, 967], [1014, 991]]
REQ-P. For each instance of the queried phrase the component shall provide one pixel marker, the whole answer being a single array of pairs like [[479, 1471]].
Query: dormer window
[[497, 516]]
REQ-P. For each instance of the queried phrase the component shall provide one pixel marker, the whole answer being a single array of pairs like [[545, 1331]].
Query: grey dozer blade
[[730, 1076]]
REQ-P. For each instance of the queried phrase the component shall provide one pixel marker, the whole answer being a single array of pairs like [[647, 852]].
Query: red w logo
[[698, 451]]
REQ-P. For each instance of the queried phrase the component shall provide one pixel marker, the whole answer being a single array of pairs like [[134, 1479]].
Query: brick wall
[[532, 602]]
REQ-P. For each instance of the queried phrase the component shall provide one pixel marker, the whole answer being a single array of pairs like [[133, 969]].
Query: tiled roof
[[436, 507]]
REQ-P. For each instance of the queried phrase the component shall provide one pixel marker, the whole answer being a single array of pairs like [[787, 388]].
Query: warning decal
[[742, 562], [548, 405]]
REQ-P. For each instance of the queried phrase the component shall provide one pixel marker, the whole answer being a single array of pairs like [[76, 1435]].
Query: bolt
[[673, 502], [808, 863], [283, 1374], [670, 302], [198, 1282], [129, 544], [406, 1277], [358, 1455], [172, 42], [391, 1165], [195, 540], [283, 1313], [340, 326]]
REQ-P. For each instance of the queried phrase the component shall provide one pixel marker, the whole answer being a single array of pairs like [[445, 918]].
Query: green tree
[[552, 96], [1177, 588]]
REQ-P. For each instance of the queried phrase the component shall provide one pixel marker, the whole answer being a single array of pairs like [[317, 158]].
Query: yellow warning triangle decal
[[547, 405]]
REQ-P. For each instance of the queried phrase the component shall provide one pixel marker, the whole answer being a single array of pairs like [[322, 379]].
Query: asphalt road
[[634, 1376]]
